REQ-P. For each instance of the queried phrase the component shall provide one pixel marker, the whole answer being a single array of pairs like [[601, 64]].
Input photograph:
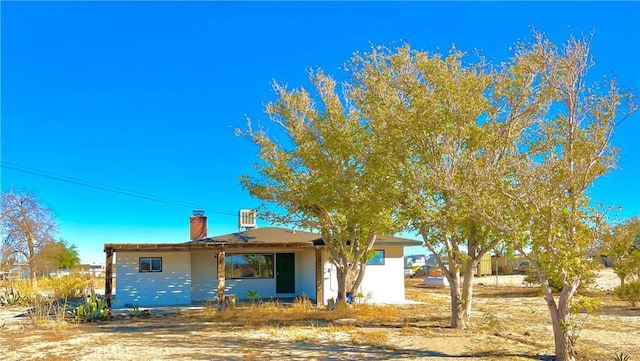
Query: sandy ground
[[510, 323]]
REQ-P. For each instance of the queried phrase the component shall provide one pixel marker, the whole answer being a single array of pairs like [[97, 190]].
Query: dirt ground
[[510, 322]]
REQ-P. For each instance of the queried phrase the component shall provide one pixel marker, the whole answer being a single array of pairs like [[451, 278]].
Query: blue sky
[[145, 96]]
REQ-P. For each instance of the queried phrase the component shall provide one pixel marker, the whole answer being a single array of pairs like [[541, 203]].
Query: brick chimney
[[198, 225]]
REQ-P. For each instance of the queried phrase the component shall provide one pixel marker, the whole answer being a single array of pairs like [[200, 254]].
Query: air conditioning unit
[[247, 219]]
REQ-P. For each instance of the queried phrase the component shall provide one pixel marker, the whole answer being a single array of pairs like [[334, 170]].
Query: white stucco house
[[276, 262]]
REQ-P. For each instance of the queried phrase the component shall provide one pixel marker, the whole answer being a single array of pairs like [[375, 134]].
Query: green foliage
[[326, 168], [92, 308], [622, 244], [531, 278], [629, 292], [253, 295], [58, 255]]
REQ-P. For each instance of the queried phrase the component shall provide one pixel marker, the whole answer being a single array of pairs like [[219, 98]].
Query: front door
[[285, 275]]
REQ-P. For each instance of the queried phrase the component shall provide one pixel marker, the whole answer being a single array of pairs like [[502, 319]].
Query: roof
[[259, 237], [267, 235]]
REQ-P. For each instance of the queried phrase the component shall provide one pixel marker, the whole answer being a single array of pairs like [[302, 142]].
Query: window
[[377, 259], [248, 266], [150, 264]]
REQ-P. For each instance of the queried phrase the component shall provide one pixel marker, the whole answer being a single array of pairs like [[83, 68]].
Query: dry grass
[[508, 323]]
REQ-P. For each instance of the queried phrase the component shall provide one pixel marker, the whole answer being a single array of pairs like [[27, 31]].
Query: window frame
[[381, 262], [150, 260], [229, 275]]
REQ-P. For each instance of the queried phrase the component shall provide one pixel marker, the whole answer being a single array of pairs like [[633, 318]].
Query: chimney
[[198, 225]]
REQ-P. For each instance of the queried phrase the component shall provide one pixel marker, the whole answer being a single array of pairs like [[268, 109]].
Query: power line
[[112, 189]]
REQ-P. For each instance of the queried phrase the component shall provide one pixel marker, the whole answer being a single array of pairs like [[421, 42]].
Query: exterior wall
[[385, 283], [205, 276], [170, 287], [381, 283]]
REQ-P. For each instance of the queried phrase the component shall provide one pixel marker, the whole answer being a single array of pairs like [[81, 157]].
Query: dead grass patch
[[508, 323]]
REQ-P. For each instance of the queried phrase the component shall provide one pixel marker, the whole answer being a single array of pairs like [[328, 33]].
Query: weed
[[302, 303], [630, 292], [41, 311], [492, 322], [370, 338], [135, 312], [253, 295]]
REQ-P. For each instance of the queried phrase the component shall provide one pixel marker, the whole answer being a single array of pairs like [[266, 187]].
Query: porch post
[[319, 276], [221, 276], [108, 276]]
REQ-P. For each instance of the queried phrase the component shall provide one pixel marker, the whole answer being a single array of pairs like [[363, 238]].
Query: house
[[276, 262]]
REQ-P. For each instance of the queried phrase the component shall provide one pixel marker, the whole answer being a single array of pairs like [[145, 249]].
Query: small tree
[[323, 169], [623, 246], [27, 226]]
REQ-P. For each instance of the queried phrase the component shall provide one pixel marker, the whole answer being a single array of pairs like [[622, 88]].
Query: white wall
[[385, 283], [170, 287], [205, 276], [381, 283]]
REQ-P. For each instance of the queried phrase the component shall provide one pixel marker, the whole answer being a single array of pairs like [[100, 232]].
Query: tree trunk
[[564, 343], [467, 293], [456, 299], [343, 284]]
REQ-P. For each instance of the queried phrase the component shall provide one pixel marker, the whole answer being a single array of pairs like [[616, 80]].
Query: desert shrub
[[630, 292], [65, 287], [92, 308], [42, 310], [26, 289]]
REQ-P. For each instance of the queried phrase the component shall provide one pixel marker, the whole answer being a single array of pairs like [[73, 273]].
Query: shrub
[[10, 297], [91, 308], [630, 292], [43, 309], [65, 287]]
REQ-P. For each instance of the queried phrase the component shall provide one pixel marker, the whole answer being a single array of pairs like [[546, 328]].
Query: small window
[[377, 259], [150, 264]]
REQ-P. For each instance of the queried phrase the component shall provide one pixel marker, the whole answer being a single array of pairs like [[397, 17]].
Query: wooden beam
[[221, 277], [319, 276], [108, 276]]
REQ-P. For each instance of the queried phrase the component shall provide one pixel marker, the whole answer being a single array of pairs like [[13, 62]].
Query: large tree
[[563, 153], [27, 227], [452, 123], [58, 255], [324, 169]]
